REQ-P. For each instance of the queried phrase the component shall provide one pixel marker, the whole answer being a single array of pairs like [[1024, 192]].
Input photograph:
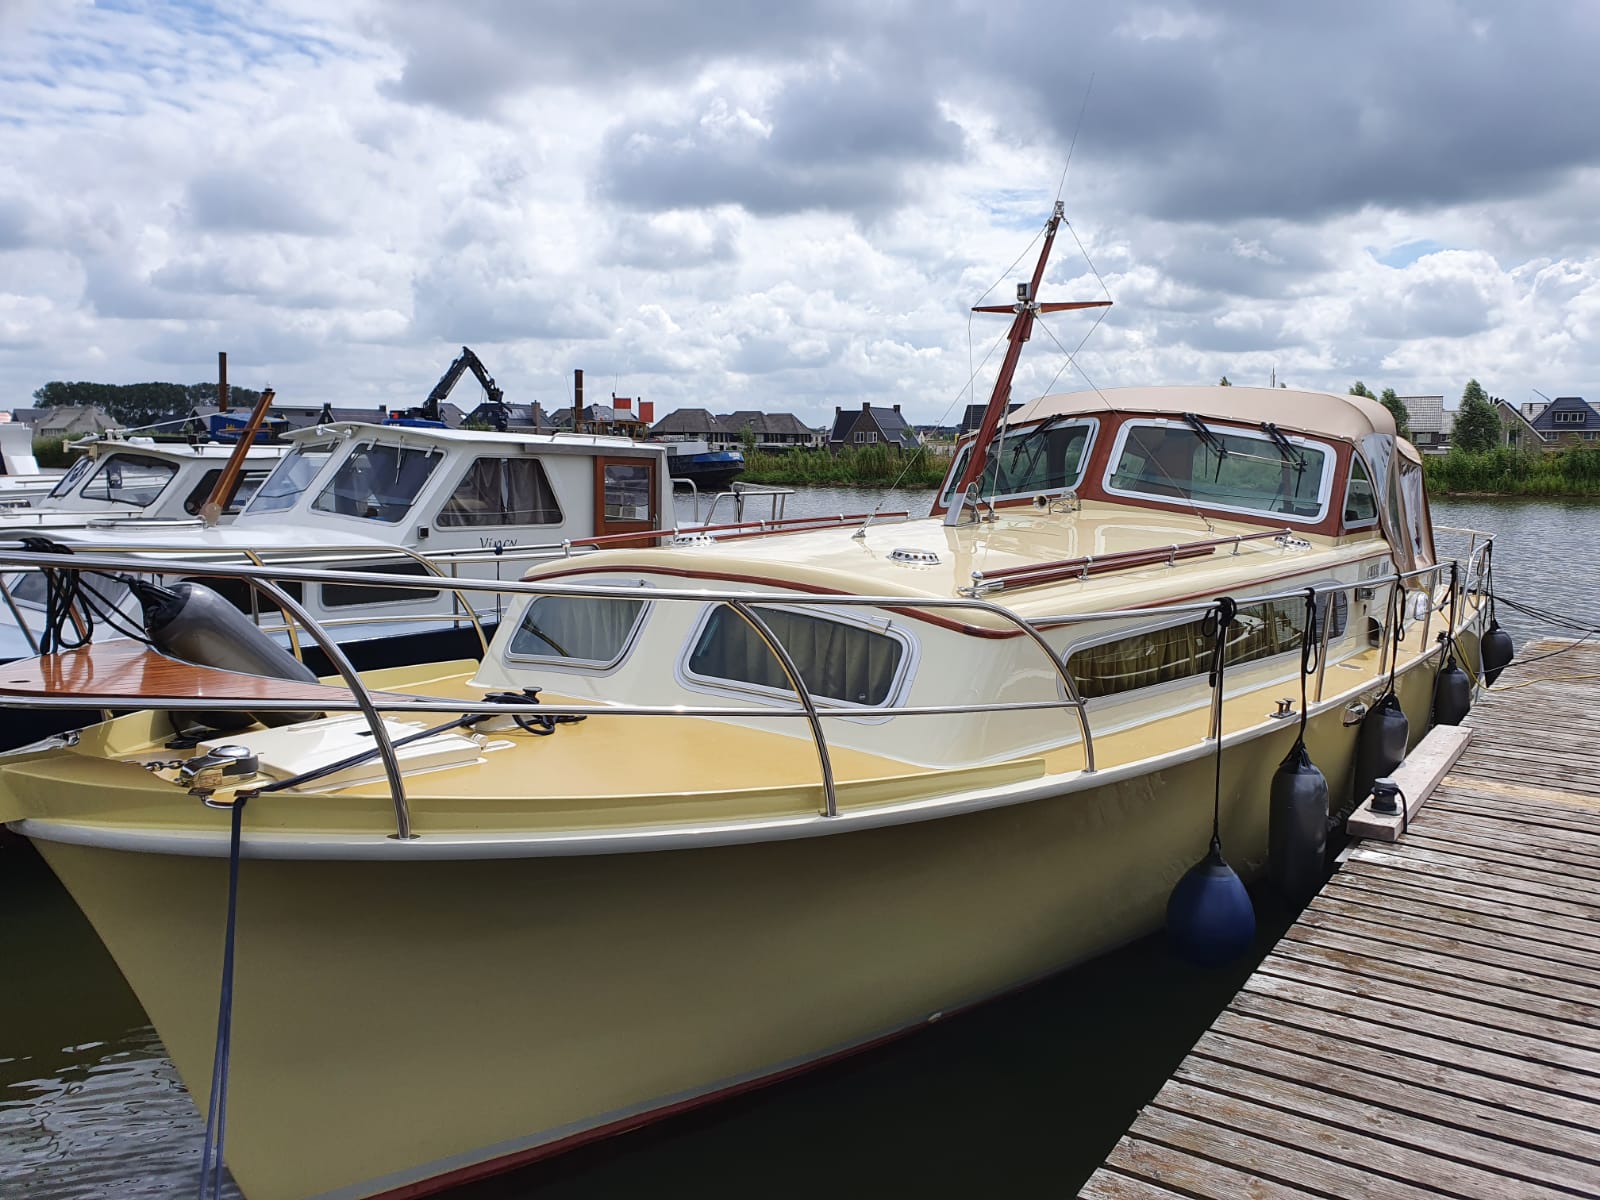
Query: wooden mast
[[228, 481], [1026, 309]]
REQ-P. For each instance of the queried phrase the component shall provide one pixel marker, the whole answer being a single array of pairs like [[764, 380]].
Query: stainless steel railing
[[269, 577]]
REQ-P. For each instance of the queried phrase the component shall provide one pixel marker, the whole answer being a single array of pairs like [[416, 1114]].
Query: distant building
[[1530, 409], [871, 426], [973, 417], [1568, 420], [692, 424], [772, 431], [504, 418], [1431, 423], [609, 419], [71, 421], [1516, 430]]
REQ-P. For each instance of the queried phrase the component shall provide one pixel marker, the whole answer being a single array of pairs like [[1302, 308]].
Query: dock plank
[[1430, 1025], [1152, 1165]]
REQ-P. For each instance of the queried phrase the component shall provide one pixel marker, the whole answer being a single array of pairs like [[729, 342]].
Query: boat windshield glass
[[1045, 458], [290, 478], [593, 631], [1360, 498], [1221, 467], [502, 491], [71, 479], [836, 660], [136, 479], [379, 481], [248, 484]]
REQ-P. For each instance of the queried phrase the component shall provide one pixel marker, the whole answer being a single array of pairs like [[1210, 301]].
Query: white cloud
[[794, 206]]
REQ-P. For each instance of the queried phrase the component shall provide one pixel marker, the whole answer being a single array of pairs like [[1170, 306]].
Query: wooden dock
[[1430, 1026]]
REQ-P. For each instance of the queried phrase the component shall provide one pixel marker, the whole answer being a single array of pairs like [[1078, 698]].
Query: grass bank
[[864, 466], [1505, 471]]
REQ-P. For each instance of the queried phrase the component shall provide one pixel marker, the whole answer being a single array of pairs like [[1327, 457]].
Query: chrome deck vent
[[915, 558]]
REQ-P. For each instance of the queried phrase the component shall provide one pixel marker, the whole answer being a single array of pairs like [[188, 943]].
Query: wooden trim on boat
[[138, 674]]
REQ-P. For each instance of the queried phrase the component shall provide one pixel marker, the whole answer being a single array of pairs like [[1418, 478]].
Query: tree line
[[135, 405]]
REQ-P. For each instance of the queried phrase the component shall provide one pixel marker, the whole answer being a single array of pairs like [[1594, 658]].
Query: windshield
[[135, 479], [1221, 467], [291, 478], [378, 481], [70, 480], [1044, 458]]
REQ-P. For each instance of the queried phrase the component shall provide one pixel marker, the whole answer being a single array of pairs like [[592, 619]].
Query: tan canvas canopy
[[1324, 414]]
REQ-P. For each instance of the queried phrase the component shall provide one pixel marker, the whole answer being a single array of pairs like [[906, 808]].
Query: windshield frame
[[1012, 442], [1269, 450]]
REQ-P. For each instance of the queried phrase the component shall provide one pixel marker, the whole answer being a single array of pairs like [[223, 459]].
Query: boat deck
[[1430, 1026]]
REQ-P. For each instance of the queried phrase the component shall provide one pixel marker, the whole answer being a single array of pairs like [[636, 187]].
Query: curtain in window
[[585, 629], [836, 661], [1184, 651], [502, 491]]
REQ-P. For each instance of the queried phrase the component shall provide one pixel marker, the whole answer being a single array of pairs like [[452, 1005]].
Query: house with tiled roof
[[772, 431], [1568, 419], [692, 424], [607, 419], [1431, 423], [1516, 430], [71, 421], [973, 417], [872, 426]]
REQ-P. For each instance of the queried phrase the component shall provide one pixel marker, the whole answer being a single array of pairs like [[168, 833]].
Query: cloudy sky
[[793, 205]]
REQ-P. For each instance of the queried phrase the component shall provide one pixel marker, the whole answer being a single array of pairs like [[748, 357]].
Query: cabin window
[[837, 660], [588, 630], [1360, 497], [249, 484], [627, 491], [1043, 458], [136, 479], [502, 491], [378, 482], [1224, 468], [290, 478], [74, 474], [1184, 651], [347, 595]]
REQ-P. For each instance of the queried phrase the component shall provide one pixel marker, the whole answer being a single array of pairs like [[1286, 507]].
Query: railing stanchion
[[380, 735], [830, 796]]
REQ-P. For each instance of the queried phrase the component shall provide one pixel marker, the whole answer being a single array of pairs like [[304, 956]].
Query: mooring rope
[[217, 1111]]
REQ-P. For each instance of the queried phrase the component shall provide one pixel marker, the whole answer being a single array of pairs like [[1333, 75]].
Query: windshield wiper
[[1208, 439], [1285, 447]]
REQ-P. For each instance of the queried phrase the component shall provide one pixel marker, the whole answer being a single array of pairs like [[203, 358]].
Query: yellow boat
[[831, 785]]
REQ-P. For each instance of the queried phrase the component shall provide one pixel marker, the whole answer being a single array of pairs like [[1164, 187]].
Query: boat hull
[[403, 1025]]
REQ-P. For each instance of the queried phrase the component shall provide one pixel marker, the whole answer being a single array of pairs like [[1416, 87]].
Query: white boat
[[415, 500], [119, 479], [21, 480], [830, 785]]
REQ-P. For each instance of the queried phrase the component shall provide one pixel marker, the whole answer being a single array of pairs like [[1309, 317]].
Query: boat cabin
[[1093, 509], [120, 479], [433, 489], [1315, 462]]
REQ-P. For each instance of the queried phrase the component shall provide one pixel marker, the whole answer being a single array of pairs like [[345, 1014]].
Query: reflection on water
[[1023, 1097], [89, 1104]]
